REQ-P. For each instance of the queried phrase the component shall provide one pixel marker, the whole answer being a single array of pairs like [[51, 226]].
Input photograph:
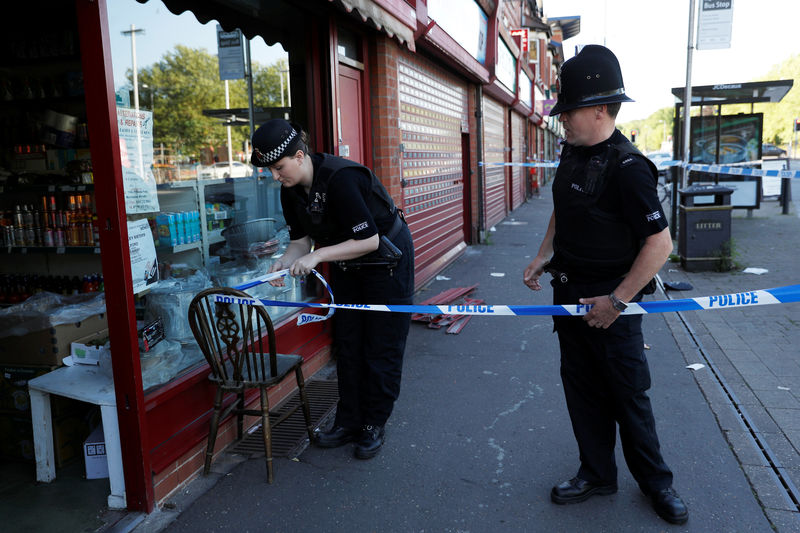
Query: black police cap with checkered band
[[274, 140]]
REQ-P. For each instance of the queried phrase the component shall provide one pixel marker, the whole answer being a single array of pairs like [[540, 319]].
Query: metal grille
[[289, 437], [433, 113], [494, 150], [517, 156]]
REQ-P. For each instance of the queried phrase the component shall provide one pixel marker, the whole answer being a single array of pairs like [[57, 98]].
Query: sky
[[650, 39], [162, 31]]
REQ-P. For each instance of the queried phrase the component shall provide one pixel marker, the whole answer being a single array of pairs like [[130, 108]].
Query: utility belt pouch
[[387, 255]]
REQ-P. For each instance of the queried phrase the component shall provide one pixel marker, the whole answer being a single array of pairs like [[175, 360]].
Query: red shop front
[[62, 75]]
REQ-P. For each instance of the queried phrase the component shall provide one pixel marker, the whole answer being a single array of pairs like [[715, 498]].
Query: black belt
[[397, 225]]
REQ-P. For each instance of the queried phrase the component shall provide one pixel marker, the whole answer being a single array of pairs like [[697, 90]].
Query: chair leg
[[267, 431], [301, 386], [240, 416], [212, 432]]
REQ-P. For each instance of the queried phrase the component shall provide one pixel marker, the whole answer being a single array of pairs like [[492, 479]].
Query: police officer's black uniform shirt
[[599, 233], [346, 212]]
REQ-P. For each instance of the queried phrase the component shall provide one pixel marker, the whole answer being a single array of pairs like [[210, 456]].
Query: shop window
[[199, 213]]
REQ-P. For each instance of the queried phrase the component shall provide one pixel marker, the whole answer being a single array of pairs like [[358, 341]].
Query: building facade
[[442, 99]]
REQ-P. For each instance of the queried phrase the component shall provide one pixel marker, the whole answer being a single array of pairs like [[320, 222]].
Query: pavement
[[480, 432]]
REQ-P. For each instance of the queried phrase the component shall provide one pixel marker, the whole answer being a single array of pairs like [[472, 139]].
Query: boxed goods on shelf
[[40, 330]]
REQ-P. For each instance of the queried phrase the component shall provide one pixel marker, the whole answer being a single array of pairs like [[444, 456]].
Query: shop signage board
[[506, 70], [144, 264], [523, 39], [525, 89], [136, 151], [464, 21], [230, 54], [715, 24]]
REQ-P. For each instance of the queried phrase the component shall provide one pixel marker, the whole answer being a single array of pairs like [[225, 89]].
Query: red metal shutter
[[432, 111], [517, 156], [494, 183]]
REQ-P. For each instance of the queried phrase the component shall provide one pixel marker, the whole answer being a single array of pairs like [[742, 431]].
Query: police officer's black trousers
[[369, 345], [605, 376]]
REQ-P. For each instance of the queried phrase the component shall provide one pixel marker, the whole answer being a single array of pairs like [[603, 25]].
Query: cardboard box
[[86, 351], [47, 346], [69, 433], [94, 454], [16, 438], [14, 396]]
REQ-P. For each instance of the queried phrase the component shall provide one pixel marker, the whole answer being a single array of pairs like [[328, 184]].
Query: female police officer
[[341, 208]]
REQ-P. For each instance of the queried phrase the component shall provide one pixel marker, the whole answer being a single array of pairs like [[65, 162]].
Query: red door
[[351, 124]]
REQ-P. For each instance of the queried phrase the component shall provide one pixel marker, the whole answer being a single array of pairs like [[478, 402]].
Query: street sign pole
[[687, 97]]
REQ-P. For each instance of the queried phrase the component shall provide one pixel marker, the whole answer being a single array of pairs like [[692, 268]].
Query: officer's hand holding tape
[[602, 314]]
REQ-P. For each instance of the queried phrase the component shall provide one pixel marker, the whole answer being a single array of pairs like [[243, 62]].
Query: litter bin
[[704, 230]]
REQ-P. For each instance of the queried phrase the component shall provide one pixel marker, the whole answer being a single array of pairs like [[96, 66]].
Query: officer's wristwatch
[[618, 304]]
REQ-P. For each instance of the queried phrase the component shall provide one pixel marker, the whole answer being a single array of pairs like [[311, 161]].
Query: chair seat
[[286, 363]]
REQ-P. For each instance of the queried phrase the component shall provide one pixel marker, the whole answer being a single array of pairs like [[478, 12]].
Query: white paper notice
[[136, 153], [144, 264]]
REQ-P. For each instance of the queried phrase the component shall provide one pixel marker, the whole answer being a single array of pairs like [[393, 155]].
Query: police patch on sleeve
[[655, 215], [360, 226]]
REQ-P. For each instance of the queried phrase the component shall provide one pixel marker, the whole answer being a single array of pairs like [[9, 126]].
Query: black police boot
[[335, 437], [370, 442], [577, 490], [670, 506]]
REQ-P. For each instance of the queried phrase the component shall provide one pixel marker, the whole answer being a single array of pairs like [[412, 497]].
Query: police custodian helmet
[[592, 77]]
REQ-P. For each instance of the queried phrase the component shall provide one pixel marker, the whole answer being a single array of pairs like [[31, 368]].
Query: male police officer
[[607, 237]]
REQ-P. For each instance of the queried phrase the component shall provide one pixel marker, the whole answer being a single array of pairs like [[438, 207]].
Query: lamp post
[[132, 32], [288, 88]]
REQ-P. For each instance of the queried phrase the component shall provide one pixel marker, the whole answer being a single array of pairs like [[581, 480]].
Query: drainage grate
[[290, 436]]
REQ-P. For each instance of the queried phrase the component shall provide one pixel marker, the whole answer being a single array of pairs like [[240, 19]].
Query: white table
[[87, 384]]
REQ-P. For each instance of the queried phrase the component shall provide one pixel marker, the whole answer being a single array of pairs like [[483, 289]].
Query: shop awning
[[570, 26], [737, 93], [277, 20], [380, 19]]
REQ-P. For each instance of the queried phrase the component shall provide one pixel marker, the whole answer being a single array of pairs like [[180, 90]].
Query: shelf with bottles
[[54, 223], [48, 188], [18, 287], [58, 250]]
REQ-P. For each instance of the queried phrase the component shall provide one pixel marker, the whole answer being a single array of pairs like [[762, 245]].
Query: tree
[[184, 83]]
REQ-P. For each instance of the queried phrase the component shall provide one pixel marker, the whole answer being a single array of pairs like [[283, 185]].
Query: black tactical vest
[[593, 242], [314, 215]]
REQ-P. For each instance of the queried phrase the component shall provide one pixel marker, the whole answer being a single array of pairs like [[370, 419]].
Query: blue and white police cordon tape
[[711, 169], [534, 164], [303, 318], [779, 295], [743, 171]]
